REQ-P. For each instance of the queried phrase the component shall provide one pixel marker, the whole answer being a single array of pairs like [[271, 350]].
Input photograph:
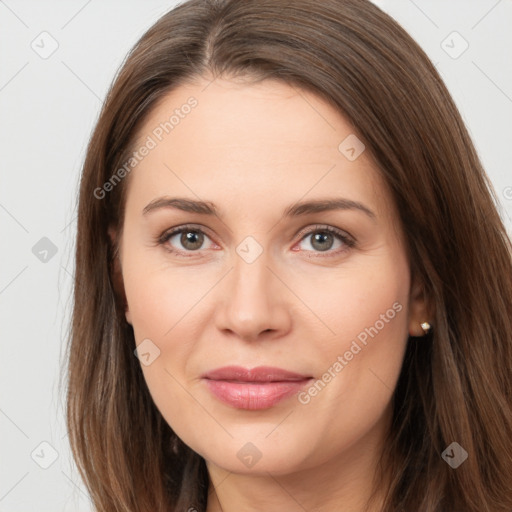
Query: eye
[[324, 238], [190, 238]]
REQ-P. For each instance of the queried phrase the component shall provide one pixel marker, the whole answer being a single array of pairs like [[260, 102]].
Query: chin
[[258, 456]]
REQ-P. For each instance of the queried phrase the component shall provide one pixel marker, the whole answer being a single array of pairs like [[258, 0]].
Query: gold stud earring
[[426, 327]]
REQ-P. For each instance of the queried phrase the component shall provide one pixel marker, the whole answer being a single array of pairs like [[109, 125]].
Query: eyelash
[[347, 240]]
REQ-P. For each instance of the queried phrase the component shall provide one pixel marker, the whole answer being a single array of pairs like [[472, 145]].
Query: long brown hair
[[455, 384]]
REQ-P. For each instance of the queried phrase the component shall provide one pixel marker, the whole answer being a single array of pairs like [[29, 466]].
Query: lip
[[254, 389]]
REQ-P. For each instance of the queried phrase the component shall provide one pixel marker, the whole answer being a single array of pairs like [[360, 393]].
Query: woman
[[293, 288]]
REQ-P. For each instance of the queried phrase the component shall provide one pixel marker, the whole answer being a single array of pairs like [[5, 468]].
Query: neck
[[344, 482]]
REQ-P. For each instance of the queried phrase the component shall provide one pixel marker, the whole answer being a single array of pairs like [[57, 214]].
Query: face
[[272, 324]]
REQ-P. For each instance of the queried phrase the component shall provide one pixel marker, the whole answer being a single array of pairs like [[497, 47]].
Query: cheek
[[168, 305], [364, 332], [161, 297], [165, 305], [351, 301]]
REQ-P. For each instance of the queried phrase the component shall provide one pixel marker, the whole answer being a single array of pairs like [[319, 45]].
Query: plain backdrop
[[57, 59]]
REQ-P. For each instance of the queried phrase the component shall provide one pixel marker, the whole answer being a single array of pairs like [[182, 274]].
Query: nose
[[253, 305]]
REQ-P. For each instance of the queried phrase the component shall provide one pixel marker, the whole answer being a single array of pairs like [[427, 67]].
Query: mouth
[[255, 389]]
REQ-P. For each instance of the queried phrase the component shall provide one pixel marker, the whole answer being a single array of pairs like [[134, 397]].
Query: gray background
[[48, 106]]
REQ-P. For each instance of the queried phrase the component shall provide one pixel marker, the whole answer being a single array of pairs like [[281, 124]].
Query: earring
[[426, 327]]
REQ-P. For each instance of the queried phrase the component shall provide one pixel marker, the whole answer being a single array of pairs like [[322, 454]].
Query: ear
[[419, 309], [117, 275]]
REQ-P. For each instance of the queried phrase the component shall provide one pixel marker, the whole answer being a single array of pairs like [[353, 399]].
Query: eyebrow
[[295, 210]]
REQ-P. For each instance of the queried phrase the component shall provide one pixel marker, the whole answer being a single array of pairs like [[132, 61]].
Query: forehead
[[237, 114], [262, 141]]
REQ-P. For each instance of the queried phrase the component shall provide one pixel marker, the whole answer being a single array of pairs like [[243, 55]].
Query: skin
[[254, 150]]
